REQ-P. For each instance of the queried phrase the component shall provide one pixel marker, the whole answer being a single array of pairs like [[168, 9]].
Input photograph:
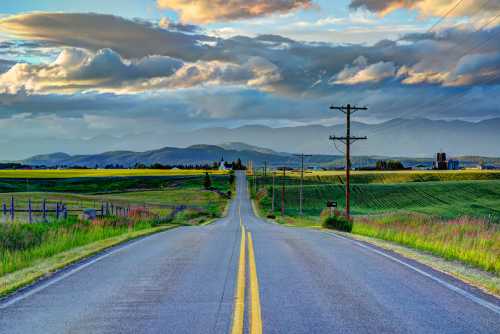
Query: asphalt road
[[244, 275]]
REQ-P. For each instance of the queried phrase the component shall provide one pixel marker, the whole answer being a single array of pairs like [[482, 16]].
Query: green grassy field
[[454, 215], [445, 194], [151, 198], [384, 177], [155, 192], [443, 199], [104, 185]]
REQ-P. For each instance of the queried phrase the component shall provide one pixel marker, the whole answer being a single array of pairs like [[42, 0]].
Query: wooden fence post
[[30, 216], [12, 209], [44, 210]]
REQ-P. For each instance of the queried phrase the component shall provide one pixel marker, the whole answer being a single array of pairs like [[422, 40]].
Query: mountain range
[[398, 137], [207, 154], [192, 155], [418, 139]]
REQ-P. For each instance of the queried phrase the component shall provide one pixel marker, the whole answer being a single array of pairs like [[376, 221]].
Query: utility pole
[[272, 205], [254, 180], [348, 140], [301, 194], [283, 192]]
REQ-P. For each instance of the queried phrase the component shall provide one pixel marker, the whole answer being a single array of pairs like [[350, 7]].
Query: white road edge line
[[43, 286], [451, 287]]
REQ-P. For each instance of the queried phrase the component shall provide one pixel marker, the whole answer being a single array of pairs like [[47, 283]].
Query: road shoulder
[[486, 282]]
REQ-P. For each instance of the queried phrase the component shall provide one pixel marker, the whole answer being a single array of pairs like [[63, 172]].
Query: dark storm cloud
[[131, 39]]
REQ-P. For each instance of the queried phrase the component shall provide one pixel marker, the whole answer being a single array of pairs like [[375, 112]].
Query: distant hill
[[207, 154], [237, 146], [47, 159], [196, 154]]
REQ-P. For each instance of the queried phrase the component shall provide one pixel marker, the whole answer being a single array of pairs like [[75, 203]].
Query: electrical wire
[[418, 109], [415, 110]]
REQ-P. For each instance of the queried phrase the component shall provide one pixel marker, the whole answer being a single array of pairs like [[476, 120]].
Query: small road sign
[[331, 204]]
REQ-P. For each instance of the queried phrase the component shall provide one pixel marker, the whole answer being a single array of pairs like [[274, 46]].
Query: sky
[[90, 76]]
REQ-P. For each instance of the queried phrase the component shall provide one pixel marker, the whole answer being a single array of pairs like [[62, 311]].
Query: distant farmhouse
[[222, 165]]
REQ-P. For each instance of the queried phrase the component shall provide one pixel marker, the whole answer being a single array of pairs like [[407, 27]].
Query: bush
[[338, 222], [271, 215]]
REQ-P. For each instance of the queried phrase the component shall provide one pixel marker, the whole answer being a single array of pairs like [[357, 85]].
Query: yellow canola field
[[75, 173]]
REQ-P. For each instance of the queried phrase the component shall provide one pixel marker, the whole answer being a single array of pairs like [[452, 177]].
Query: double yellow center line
[[239, 305]]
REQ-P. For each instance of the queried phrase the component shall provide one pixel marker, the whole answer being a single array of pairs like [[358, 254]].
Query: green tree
[[207, 182]]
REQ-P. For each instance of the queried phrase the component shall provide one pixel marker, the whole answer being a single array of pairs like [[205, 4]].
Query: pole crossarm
[[348, 109], [345, 139]]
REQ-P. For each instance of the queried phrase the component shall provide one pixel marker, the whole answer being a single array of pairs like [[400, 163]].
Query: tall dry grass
[[471, 241], [21, 245]]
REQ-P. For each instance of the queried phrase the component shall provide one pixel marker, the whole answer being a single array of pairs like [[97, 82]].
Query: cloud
[[267, 79], [268, 62], [361, 72], [131, 39], [169, 25], [429, 7], [5, 65], [256, 72], [79, 70], [470, 70], [207, 11]]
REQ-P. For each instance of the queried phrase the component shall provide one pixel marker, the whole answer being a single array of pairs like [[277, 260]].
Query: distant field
[[100, 185], [78, 173], [329, 177], [443, 199], [191, 197]]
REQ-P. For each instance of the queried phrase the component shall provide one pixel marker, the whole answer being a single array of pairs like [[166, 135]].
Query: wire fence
[[29, 211]]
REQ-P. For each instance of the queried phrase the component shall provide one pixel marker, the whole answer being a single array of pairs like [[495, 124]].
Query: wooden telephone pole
[[283, 192], [347, 141], [301, 194], [274, 176]]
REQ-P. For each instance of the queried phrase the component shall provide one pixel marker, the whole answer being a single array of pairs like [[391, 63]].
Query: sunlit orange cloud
[[429, 7], [207, 11]]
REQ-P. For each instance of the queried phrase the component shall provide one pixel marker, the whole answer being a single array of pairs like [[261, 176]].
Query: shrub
[[338, 222], [271, 215]]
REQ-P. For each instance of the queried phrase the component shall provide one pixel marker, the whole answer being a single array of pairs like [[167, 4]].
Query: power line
[[446, 15], [417, 109]]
